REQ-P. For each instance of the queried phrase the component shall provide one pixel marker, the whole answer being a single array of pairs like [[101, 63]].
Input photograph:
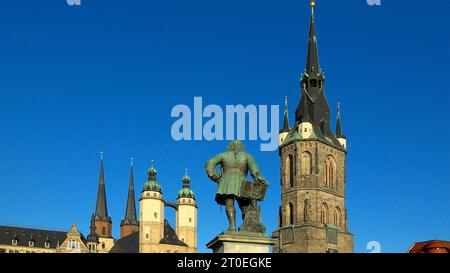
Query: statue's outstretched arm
[[255, 172], [211, 167]]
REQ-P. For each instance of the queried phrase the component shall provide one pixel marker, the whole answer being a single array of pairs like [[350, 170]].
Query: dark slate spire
[[285, 117], [305, 112], [130, 213], [312, 58], [313, 105], [338, 123], [101, 210]]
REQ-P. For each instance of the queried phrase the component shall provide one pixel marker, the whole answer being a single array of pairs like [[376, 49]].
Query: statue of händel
[[234, 163]]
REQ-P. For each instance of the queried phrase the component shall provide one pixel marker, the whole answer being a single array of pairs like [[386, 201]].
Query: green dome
[[186, 193], [152, 186]]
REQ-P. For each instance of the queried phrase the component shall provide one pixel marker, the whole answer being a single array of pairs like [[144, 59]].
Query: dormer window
[[14, 242], [47, 245], [31, 243]]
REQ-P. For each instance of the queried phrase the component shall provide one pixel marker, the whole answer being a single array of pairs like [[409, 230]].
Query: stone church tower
[[313, 214], [186, 215], [152, 214]]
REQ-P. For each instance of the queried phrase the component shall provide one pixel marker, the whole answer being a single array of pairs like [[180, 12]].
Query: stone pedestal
[[241, 242]]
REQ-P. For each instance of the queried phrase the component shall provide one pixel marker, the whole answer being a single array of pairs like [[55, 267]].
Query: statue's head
[[236, 146]]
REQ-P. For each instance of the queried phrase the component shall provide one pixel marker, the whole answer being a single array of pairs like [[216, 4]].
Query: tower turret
[[285, 130], [186, 215], [151, 204], [340, 136], [130, 224]]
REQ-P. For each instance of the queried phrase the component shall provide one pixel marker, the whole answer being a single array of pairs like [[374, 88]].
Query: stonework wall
[[103, 228], [126, 230], [315, 205]]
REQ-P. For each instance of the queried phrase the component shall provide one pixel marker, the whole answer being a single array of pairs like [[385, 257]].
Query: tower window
[[313, 83], [190, 220], [337, 217], [103, 230], [324, 214], [306, 163], [290, 214], [147, 235], [289, 174], [156, 215], [330, 172], [103, 245]]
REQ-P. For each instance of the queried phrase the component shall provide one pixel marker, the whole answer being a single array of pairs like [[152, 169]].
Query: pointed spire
[[92, 226], [312, 58], [130, 212], [102, 174], [338, 123], [286, 116], [101, 210], [305, 112]]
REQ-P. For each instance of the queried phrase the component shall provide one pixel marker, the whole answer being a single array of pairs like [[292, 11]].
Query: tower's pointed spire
[[312, 58], [130, 212], [338, 123], [101, 210], [285, 116], [305, 111]]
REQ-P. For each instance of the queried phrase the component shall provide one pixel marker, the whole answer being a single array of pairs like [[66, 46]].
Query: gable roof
[[24, 235]]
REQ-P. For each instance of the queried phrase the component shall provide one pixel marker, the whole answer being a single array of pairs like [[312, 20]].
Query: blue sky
[[104, 76]]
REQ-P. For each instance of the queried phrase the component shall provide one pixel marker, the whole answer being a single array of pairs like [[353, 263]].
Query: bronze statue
[[233, 185]]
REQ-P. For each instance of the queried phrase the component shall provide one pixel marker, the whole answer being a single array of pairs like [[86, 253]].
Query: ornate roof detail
[[186, 191], [152, 184]]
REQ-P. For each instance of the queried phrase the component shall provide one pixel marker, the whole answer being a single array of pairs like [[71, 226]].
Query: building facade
[[29, 240], [313, 214]]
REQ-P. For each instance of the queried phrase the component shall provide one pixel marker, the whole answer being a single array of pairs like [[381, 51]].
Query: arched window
[[289, 214], [330, 172], [337, 217], [306, 163], [289, 173], [324, 214], [103, 231]]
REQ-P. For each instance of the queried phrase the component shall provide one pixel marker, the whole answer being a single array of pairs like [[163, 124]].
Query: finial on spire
[[186, 171], [338, 110], [101, 155], [153, 163], [312, 4], [131, 161], [285, 104]]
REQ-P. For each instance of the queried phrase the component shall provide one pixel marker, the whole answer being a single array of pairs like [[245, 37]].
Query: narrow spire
[[286, 116], [305, 113], [92, 226], [130, 212], [101, 210], [312, 63], [102, 173], [338, 122]]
